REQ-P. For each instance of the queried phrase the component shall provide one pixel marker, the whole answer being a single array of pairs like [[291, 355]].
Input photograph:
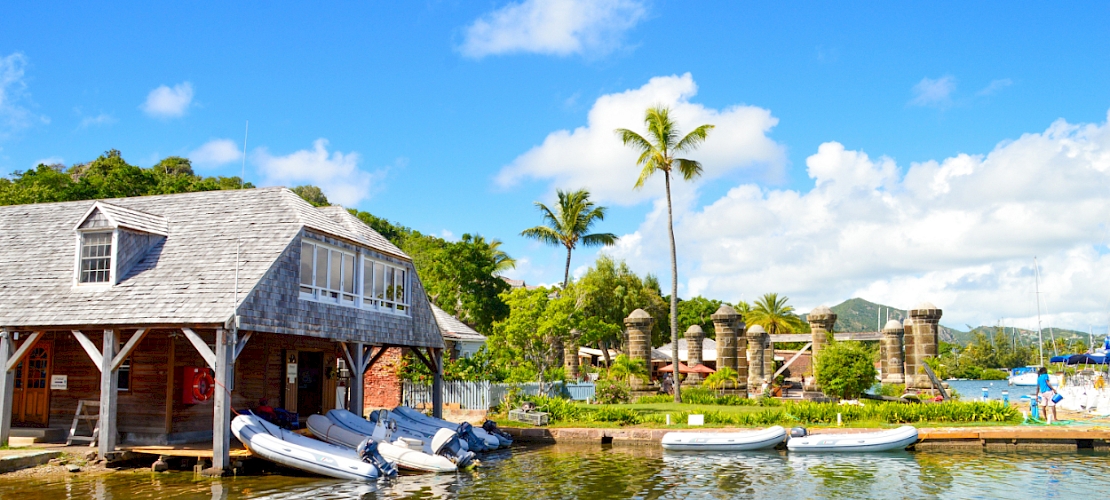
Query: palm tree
[[774, 315], [501, 260], [568, 224], [658, 155]]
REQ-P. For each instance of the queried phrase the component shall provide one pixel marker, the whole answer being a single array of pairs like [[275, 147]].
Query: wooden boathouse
[[165, 313]]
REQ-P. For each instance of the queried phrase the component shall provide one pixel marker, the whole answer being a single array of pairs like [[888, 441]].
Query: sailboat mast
[[1040, 336]]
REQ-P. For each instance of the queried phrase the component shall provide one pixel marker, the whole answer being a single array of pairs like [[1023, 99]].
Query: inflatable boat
[[894, 439], [724, 441], [290, 449], [408, 423], [406, 453], [491, 441]]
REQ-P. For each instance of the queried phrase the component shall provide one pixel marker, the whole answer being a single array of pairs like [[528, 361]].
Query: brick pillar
[[821, 321], [694, 336], [758, 368], [638, 325], [921, 337], [570, 355], [891, 369], [381, 384], [730, 328]]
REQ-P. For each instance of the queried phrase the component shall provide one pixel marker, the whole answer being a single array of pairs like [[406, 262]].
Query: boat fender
[[798, 432], [368, 452]]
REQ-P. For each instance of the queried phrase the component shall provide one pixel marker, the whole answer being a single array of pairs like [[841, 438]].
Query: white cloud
[[216, 153], [935, 93], [960, 232], [593, 157], [50, 160], [554, 27], [995, 86], [101, 119], [337, 174], [14, 114], [166, 102]]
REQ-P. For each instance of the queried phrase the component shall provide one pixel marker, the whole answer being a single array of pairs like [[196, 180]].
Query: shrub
[[994, 374], [611, 392], [892, 390], [719, 378], [845, 370], [658, 398], [623, 416], [558, 409]]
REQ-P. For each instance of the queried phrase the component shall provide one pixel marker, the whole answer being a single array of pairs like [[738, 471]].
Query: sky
[[899, 152]]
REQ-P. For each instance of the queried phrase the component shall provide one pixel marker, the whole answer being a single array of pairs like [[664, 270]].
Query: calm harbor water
[[600, 472], [972, 390]]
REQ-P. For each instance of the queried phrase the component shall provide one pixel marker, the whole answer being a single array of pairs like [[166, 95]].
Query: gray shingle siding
[[133, 247]]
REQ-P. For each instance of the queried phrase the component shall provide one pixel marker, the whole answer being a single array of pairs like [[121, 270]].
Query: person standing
[[1045, 393]]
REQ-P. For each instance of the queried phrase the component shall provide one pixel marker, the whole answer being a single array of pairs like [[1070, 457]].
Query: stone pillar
[[7, 385], [638, 325], [821, 321], [921, 337], [731, 343], [221, 407], [758, 369], [891, 370], [570, 355], [694, 337]]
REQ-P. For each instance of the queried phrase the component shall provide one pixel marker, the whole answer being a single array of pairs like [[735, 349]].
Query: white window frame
[[359, 297], [113, 263]]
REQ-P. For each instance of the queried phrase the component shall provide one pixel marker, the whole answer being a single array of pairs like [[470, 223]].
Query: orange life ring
[[203, 386]]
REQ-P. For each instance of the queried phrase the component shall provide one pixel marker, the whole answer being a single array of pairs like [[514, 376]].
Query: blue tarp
[[1087, 359], [1060, 359]]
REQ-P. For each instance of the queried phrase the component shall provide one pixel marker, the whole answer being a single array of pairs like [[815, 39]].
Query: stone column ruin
[[570, 355], [638, 325], [729, 327], [758, 367], [891, 369], [821, 321], [922, 338], [694, 337]]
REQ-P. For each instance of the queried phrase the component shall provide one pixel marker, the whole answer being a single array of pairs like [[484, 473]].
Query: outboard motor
[[447, 444], [798, 432], [465, 430], [491, 427], [368, 452]]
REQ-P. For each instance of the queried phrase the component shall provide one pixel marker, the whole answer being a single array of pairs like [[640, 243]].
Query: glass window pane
[[335, 270], [389, 288], [306, 263], [348, 273], [322, 267], [399, 287], [367, 278], [379, 281]]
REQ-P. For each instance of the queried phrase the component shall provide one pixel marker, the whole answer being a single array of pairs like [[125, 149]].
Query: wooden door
[[31, 400], [291, 368]]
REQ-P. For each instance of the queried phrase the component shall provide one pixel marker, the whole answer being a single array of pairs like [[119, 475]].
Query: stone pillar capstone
[[729, 326], [921, 337], [694, 337], [891, 369], [821, 321], [638, 327], [570, 355], [758, 368]]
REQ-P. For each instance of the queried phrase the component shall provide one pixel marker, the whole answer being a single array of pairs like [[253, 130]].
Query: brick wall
[[382, 386]]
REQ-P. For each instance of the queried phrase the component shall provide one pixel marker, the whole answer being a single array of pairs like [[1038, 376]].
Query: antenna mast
[[1040, 336]]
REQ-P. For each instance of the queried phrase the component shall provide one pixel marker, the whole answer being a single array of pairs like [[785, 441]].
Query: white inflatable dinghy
[[724, 441], [492, 442], [406, 424], [290, 449], [894, 439], [406, 453]]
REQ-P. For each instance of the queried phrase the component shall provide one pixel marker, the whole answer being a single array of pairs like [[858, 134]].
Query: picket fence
[[485, 395]]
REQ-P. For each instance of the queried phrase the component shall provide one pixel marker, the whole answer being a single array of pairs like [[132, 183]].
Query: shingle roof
[[369, 236], [131, 219], [452, 328], [187, 278]]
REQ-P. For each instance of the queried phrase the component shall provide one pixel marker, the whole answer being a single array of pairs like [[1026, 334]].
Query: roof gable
[[104, 215]]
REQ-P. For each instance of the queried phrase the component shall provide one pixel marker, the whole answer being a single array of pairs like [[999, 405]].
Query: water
[[972, 390], [600, 472]]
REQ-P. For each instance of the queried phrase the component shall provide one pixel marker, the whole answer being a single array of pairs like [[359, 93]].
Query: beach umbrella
[[682, 368], [700, 368]]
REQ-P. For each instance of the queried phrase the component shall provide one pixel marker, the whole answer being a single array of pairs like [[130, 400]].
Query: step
[[41, 435]]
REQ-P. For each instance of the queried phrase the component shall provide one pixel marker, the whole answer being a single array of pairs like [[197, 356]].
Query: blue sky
[[453, 117]]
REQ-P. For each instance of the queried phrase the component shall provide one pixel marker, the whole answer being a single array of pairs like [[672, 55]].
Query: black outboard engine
[[798, 432], [491, 427], [368, 452], [466, 431]]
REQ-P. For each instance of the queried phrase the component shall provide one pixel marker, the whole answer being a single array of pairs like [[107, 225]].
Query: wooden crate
[[528, 417]]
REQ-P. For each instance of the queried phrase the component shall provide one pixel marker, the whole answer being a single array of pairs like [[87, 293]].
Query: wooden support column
[[356, 358], [221, 409], [7, 386], [437, 382], [109, 395]]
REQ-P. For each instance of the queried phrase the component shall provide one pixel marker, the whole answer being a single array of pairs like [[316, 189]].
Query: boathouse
[[167, 313]]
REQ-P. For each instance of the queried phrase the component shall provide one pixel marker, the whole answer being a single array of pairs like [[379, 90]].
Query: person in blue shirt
[[1045, 392]]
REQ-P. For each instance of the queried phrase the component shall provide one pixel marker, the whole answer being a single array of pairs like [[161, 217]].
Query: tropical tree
[[658, 155], [845, 370], [501, 260], [624, 368], [568, 224], [773, 313], [606, 294], [719, 378], [698, 311]]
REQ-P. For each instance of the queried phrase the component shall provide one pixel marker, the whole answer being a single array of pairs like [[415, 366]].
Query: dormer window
[[96, 257]]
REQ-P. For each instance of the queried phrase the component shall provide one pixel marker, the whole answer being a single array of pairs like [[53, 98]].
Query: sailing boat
[[1025, 376]]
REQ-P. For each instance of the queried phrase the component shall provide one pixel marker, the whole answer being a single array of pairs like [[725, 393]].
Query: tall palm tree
[[501, 260], [568, 224], [658, 155], [774, 315]]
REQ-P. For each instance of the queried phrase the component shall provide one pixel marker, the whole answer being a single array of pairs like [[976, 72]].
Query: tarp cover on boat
[[1086, 359]]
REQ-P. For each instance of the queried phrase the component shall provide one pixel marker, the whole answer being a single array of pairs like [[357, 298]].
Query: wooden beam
[[90, 348], [7, 388], [201, 347], [23, 350], [109, 396], [241, 344], [132, 342], [792, 360], [437, 382], [420, 356], [221, 405], [171, 370], [347, 355], [378, 355]]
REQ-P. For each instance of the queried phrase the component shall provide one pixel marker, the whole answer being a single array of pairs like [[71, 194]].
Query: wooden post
[[171, 371], [437, 383], [109, 395], [221, 409], [7, 385], [356, 391]]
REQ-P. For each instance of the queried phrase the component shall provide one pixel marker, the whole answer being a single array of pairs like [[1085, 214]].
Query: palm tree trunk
[[566, 272], [604, 346], [674, 291]]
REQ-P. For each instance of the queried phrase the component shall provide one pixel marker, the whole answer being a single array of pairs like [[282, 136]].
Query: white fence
[[485, 395]]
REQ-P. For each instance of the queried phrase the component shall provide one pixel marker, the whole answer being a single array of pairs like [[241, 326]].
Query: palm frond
[[599, 239], [544, 234], [689, 168], [630, 138], [693, 139]]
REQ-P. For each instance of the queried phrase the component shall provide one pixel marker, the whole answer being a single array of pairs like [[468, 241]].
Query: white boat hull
[[492, 442], [724, 441], [323, 428], [895, 439], [290, 449]]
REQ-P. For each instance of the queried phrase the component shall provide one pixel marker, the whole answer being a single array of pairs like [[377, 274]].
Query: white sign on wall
[[291, 372], [59, 382]]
